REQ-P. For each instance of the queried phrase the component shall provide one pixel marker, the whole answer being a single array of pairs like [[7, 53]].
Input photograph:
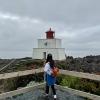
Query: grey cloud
[[72, 12], [77, 22]]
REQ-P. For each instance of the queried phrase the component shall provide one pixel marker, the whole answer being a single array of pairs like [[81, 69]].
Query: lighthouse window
[[45, 43]]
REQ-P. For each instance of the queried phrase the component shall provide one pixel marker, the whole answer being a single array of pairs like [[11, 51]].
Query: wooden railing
[[81, 75], [20, 73], [20, 91], [65, 72]]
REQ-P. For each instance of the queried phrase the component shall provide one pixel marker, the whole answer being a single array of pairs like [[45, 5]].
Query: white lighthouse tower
[[49, 45]]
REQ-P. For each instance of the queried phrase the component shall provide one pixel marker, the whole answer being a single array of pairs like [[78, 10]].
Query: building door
[[44, 55]]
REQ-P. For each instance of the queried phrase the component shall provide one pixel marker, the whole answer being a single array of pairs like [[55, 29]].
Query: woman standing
[[49, 78]]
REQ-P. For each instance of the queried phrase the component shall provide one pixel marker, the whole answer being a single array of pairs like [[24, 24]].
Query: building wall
[[58, 53], [61, 53], [49, 43]]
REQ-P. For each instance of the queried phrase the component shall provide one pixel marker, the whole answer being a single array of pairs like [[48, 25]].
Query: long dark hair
[[50, 59]]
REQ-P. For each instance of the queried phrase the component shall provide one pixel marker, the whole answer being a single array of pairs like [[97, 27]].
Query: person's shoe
[[55, 97], [46, 94]]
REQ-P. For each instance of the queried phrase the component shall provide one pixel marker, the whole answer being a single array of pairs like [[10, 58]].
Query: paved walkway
[[39, 95]]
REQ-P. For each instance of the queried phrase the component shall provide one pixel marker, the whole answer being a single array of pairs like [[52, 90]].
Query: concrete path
[[38, 94]]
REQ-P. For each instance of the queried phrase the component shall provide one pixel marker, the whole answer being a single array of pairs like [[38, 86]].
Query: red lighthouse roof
[[50, 34]]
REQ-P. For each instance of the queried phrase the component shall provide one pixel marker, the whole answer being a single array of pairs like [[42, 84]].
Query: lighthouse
[[49, 45]]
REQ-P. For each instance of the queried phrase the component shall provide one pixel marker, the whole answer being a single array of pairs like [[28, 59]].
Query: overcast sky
[[76, 22]]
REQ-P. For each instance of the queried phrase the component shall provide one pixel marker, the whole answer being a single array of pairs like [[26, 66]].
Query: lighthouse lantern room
[[50, 34]]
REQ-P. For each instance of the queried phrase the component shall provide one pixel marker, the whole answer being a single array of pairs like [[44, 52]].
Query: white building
[[49, 45]]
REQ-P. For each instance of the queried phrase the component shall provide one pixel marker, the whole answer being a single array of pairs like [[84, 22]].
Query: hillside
[[19, 64], [89, 64]]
